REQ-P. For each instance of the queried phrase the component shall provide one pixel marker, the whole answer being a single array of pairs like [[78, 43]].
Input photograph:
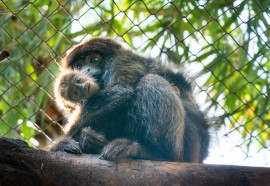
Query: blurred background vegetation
[[225, 45]]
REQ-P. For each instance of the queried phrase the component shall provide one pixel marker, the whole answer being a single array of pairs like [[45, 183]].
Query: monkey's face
[[75, 86], [92, 56], [88, 64]]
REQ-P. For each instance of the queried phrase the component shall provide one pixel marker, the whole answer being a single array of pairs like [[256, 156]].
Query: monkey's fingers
[[67, 144], [73, 150], [120, 148], [72, 146]]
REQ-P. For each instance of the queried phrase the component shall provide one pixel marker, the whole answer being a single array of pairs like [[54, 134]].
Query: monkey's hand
[[122, 148], [91, 142], [67, 144]]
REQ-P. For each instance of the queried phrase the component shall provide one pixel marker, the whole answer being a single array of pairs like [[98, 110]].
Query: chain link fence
[[224, 45]]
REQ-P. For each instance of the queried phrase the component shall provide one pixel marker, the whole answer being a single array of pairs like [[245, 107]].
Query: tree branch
[[21, 165]]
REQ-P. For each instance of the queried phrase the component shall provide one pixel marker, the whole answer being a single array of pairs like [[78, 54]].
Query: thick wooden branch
[[21, 165]]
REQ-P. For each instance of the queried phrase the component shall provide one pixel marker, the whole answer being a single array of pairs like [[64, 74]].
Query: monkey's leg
[[155, 123], [122, 148], [66, 144], [91, 141]]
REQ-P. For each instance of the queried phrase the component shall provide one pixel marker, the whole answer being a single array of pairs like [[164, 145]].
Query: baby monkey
[[72, 89]]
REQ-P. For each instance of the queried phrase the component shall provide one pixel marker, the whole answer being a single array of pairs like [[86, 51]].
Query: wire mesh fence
[[224, 44]]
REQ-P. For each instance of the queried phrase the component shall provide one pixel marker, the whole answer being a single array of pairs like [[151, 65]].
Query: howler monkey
[[137, 110]]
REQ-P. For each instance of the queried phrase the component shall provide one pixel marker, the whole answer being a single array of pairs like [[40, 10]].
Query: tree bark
[[21, 165]]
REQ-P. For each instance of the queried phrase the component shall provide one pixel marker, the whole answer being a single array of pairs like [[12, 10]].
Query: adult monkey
[[139, 111]]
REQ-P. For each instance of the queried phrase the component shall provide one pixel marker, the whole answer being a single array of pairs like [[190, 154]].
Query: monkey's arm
[[103, 105], [109, 99]]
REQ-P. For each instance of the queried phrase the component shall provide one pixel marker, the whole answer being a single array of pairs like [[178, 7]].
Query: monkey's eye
[[93, 58], [75, 93], [78, 80], [77, 66]]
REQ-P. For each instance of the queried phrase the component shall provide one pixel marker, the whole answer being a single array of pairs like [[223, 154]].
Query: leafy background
[[224, 44]]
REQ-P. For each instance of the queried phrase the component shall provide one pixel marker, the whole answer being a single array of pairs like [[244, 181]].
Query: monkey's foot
[[91, 142], [121, 149], [68, 145]]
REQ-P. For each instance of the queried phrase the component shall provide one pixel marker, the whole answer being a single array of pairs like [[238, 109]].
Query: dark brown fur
[[144, 109]]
